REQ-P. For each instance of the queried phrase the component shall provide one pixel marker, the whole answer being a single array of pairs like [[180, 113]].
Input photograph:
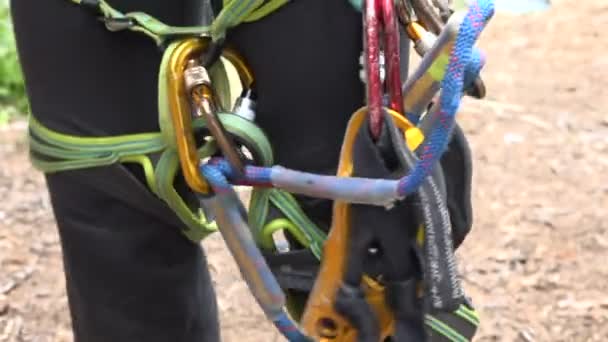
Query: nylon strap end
[[90, 4], [118, 24]]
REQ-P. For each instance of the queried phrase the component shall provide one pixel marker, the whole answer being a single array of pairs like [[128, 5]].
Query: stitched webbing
[[233, 13]]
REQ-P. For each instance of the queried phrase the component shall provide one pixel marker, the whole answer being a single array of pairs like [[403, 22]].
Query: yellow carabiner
[[180, 102]]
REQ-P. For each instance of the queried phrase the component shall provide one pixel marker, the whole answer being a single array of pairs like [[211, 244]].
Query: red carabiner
[[380, 19]]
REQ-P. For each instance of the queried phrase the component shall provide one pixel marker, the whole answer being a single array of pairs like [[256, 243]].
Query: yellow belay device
[[216, 144]]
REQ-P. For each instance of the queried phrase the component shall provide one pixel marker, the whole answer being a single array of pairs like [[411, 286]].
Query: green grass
[[13, 99]]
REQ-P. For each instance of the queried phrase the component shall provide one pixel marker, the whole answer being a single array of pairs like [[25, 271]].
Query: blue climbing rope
[[232, 223], [478, 15]]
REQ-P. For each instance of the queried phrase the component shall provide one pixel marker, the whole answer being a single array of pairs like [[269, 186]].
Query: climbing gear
[[376, 12], [202, 138], [188, 80]]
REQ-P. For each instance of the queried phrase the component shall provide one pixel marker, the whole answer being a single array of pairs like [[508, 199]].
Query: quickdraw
[[195, 124]]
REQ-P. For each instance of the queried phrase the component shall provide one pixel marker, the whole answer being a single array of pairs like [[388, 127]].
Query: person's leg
[[131, 275]]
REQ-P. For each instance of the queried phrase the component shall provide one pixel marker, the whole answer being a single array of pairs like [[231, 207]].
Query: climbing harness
[[217, 147]]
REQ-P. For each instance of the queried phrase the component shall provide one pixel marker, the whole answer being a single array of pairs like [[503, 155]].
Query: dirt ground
[[535, 263]]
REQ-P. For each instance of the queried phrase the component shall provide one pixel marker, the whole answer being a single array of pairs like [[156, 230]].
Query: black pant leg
[[131, 275]]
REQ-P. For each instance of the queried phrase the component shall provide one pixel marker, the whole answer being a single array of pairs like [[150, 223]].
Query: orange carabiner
[[183, 94]]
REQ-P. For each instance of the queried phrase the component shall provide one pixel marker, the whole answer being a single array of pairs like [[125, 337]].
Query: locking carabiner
[[191, 94]]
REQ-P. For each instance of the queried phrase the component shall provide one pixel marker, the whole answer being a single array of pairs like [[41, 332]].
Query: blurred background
[[536, 263], [12, 95]]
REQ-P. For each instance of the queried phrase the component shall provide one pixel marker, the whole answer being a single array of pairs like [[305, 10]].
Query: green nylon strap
[[143, 23], [234, 13], [265, 10], [301, 227], [159, 178], [165, 122], [119, 144], [444, 329], [468, 314], [449, 332], [221, 83], [55, 152], [288, 205], [276, 225], [197, 227], [258, 207]]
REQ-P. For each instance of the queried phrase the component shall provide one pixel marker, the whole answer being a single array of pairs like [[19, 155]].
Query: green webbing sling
[[296, 222], [233, 13], [55, 152]]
